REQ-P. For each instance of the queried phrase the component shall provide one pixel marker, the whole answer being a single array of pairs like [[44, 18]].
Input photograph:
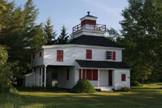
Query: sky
[[69, 12]]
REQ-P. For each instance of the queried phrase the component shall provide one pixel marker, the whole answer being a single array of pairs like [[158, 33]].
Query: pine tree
[[63, 37], [135, 42], [18, 31], [113, 34], [141, 29], [50, 34]]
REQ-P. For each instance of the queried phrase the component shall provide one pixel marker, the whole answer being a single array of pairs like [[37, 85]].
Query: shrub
[[136, 83], [83, 86]]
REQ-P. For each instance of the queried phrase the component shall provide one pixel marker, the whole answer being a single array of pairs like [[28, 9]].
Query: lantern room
[[88, 26]]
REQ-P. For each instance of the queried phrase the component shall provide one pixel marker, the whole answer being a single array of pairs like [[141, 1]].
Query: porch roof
[[102, 64]]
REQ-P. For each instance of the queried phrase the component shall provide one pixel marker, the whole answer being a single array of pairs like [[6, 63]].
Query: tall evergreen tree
[[141, 32], [113, 34], [50, 34], [63, 37], [5, 70], [18, 31]]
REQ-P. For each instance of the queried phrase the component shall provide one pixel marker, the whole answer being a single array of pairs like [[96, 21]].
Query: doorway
[[110, 80]]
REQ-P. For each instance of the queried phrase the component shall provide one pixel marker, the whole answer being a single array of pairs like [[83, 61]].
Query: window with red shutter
[[123, 77], [95, 74], [89, 74], [60, 55], [88, 54], [111, 55], [114, 55]]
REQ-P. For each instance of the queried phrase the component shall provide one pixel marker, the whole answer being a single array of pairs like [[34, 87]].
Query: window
[[60, 55], [111, 55], [123, 77], [108, 54], [88, 54], [88, 74]]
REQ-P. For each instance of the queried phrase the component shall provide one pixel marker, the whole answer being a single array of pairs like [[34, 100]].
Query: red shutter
[[89, 74], [114, 55], [123, 77], [88, 54], [95, 74], [60, 55]]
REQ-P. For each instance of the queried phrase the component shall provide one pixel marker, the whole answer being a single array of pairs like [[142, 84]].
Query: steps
[[104, 88]]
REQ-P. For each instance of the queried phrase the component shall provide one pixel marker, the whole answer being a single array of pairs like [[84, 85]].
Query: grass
[[147, 96]]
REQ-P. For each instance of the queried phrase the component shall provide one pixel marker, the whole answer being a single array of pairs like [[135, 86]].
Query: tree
[[18, 31], [50, 34], [113, 34], [5, 69], [63, 37], [141, 29], [38, 38]]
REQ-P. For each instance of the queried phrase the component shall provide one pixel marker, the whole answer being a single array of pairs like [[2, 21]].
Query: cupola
[[88, 20], [88, 26]]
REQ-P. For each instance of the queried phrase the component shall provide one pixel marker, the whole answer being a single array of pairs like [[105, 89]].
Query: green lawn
[[148, 96]]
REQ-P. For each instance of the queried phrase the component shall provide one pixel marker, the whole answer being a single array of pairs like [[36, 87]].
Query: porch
[[59, 76], [104, 75], [101, 79]]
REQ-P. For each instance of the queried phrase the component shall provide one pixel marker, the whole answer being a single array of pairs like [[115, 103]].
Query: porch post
[[45, 76], [41, 76], [81, 74]]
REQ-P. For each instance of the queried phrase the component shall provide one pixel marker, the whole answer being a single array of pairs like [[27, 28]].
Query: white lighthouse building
[[89, 55]]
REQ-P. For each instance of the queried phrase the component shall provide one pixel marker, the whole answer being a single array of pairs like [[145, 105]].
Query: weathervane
[[88, 12]]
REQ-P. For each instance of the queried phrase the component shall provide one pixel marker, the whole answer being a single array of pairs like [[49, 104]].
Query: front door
[[103, 78], [110, 77]]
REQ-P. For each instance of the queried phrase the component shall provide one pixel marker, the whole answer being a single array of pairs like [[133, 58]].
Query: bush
[[83, 86], [136, 83], [4, 89]]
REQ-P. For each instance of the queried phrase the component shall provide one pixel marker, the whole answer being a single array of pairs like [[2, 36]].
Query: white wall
[[37, 60], [71, 53], [117, 83], [34, 79]]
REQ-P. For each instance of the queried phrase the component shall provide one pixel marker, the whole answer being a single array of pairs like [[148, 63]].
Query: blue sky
[[69, 12]]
